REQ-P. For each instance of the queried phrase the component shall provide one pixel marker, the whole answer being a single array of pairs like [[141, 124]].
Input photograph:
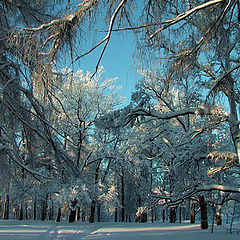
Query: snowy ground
[[36, 230]]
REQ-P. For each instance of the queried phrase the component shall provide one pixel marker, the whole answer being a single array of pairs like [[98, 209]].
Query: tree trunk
[[152, 216], [59, 215], [233, 215], [78, 214], [72, 216], [122, 197], [172, 214], [51, 209], [6, 208], [83, 216], [20, 211], [180, 214], [192, 212], [44, 210], [163, 215], [92, 211], [203, 208], [35, 210], [218, 216], [0, 206], [26, 211], [213, 215], [143, 217], [227, 212], [233, 117], [98, 212], [116, 215]]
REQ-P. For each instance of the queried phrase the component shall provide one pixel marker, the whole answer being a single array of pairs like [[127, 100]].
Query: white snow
[[36, 230]]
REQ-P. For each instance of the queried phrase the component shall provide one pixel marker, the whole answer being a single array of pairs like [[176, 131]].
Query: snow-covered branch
[[139, 111], [184, 15], [84, 7], [170, 201]]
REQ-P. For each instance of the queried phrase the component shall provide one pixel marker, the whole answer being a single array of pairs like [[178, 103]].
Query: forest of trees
[[72, 149]]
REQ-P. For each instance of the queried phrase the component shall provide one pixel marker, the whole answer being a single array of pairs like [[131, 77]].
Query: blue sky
[[117, 62]]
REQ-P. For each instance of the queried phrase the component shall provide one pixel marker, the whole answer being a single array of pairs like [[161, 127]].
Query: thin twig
[[105, 39]]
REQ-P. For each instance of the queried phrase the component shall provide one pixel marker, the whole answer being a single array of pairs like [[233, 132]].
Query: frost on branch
[[114, 119], [228, 160], [229, 157]]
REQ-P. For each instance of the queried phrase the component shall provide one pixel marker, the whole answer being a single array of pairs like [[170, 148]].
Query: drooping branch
[[170, 201], [221, 78], [139, 111], [105, 39], [184, 15], [84, 7]]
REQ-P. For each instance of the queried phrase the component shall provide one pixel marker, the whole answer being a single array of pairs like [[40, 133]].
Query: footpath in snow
[[36, 230]]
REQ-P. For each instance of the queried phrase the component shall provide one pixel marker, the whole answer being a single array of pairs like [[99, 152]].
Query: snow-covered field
[[36, 230]]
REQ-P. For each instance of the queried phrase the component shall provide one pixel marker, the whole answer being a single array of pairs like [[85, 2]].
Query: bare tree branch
[[83, 8], [175, 201], [184, 15], [105, 39]]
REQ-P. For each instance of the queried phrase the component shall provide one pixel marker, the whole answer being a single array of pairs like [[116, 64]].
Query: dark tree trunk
[[51, 209], [35, 210], [184, 215], [16, 217], [122, 196], [44, 210], [72, 216], [152, 216], [143, 217], [218, 218], [98, 212], [93, 203], [83, 216], [26, 212], [0, 206], [192, 212], [59, 215], [6, 208], [203, 208], [92, 211], [180, 214], [172, 214], [163, 215], [78, 213], [115, 215], [20, 211]]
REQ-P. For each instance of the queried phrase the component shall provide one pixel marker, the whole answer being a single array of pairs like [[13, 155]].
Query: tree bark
[[78, 214], [152, 216], [92, 211], [20, 211], [172, 214], [192, 212], [6, 208], [116, 215], [72, 216], [163, 215], [26, 211], [44, 210], [0, 206], [218, 218], [35, 210], [203, 208], [143, 217], [83, 216], [180, 214], [98, 212], [122, 197], [59, 215]]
